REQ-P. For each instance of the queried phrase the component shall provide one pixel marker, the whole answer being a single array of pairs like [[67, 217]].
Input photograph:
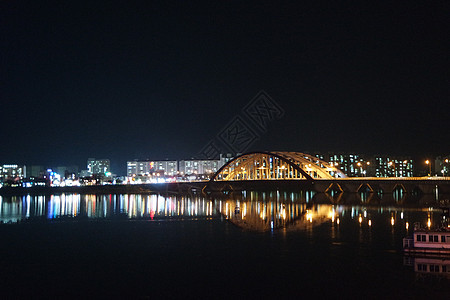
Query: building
[[12, 172], [386, 166], [146, 167], [67, 171], [99, 166], [174, 167], [361, 165], [169, 167], [353, 165], [442, 166], [199, 166], [136, 167], [36, 171]]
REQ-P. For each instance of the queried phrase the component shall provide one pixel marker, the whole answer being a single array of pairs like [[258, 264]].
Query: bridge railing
[[392, 178]]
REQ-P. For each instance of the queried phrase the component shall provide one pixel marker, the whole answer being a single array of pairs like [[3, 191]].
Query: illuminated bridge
[[297, 170], [278, 166]]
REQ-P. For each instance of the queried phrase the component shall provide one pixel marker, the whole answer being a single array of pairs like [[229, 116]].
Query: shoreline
[[105, 189]]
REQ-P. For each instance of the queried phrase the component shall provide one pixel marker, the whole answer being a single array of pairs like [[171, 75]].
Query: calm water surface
[[249, 244]]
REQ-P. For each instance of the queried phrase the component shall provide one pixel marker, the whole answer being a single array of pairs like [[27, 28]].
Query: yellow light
[[331, 215], [360, 219], [427, 161], [407, 225], [392, 221], [429, 223], [337, 221], [359, 164], [309, 216], [370, 222]]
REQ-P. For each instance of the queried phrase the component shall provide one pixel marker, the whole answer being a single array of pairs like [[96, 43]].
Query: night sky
[[136, 80]]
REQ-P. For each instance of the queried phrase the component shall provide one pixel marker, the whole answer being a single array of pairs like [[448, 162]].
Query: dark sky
[[125, 80]]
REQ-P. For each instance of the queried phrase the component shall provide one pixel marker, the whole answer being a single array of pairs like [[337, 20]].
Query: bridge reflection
[[264, 216], [266, 211]]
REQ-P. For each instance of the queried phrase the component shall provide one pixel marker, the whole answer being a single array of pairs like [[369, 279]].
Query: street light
[[360, 168], [392, 165], [429, 166]]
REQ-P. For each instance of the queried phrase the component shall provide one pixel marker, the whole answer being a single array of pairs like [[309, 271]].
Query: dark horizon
[[136, 80]]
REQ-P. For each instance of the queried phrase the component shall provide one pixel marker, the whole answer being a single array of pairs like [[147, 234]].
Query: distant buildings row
[[176, 167], [21, 175], [99, 170], [353, 165]]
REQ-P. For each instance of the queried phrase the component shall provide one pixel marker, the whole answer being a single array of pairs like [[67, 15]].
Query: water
[[247, 244]]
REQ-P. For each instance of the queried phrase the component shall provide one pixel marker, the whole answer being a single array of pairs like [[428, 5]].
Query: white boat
[[428, 241]]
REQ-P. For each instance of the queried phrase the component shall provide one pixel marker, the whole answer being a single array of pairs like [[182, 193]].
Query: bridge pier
[[427, 188]]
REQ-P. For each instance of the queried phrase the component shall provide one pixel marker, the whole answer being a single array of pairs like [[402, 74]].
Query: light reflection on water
[[17, 208], [270, 215], [363, 226], [260, 211]]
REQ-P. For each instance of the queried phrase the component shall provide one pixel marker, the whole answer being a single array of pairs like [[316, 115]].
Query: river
[[245, 244]]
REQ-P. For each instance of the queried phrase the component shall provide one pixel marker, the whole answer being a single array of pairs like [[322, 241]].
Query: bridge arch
[[276, 166]]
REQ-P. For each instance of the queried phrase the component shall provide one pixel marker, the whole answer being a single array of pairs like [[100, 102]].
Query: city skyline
[[351, 164], [139, 80]]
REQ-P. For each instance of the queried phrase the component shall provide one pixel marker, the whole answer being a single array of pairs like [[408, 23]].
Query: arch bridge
[[260, 170], [276, 166]]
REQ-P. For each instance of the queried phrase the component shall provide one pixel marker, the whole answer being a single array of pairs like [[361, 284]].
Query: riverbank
[[177, 187], [172, 187]]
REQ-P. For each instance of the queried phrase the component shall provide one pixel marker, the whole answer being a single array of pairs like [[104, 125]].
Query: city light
[[427, 162]]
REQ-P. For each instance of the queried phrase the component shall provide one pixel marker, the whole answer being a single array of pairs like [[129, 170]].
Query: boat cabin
[[432, 239]]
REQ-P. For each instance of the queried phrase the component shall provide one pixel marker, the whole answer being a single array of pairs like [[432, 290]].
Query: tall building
[[36, 171], [98, 166], [146, 168], [442, 165], [202, 166], [67, 171], [12, 172], [138, 168], [360, 165], [386, 166], [174, 167], [170, 167], [353, 165]]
